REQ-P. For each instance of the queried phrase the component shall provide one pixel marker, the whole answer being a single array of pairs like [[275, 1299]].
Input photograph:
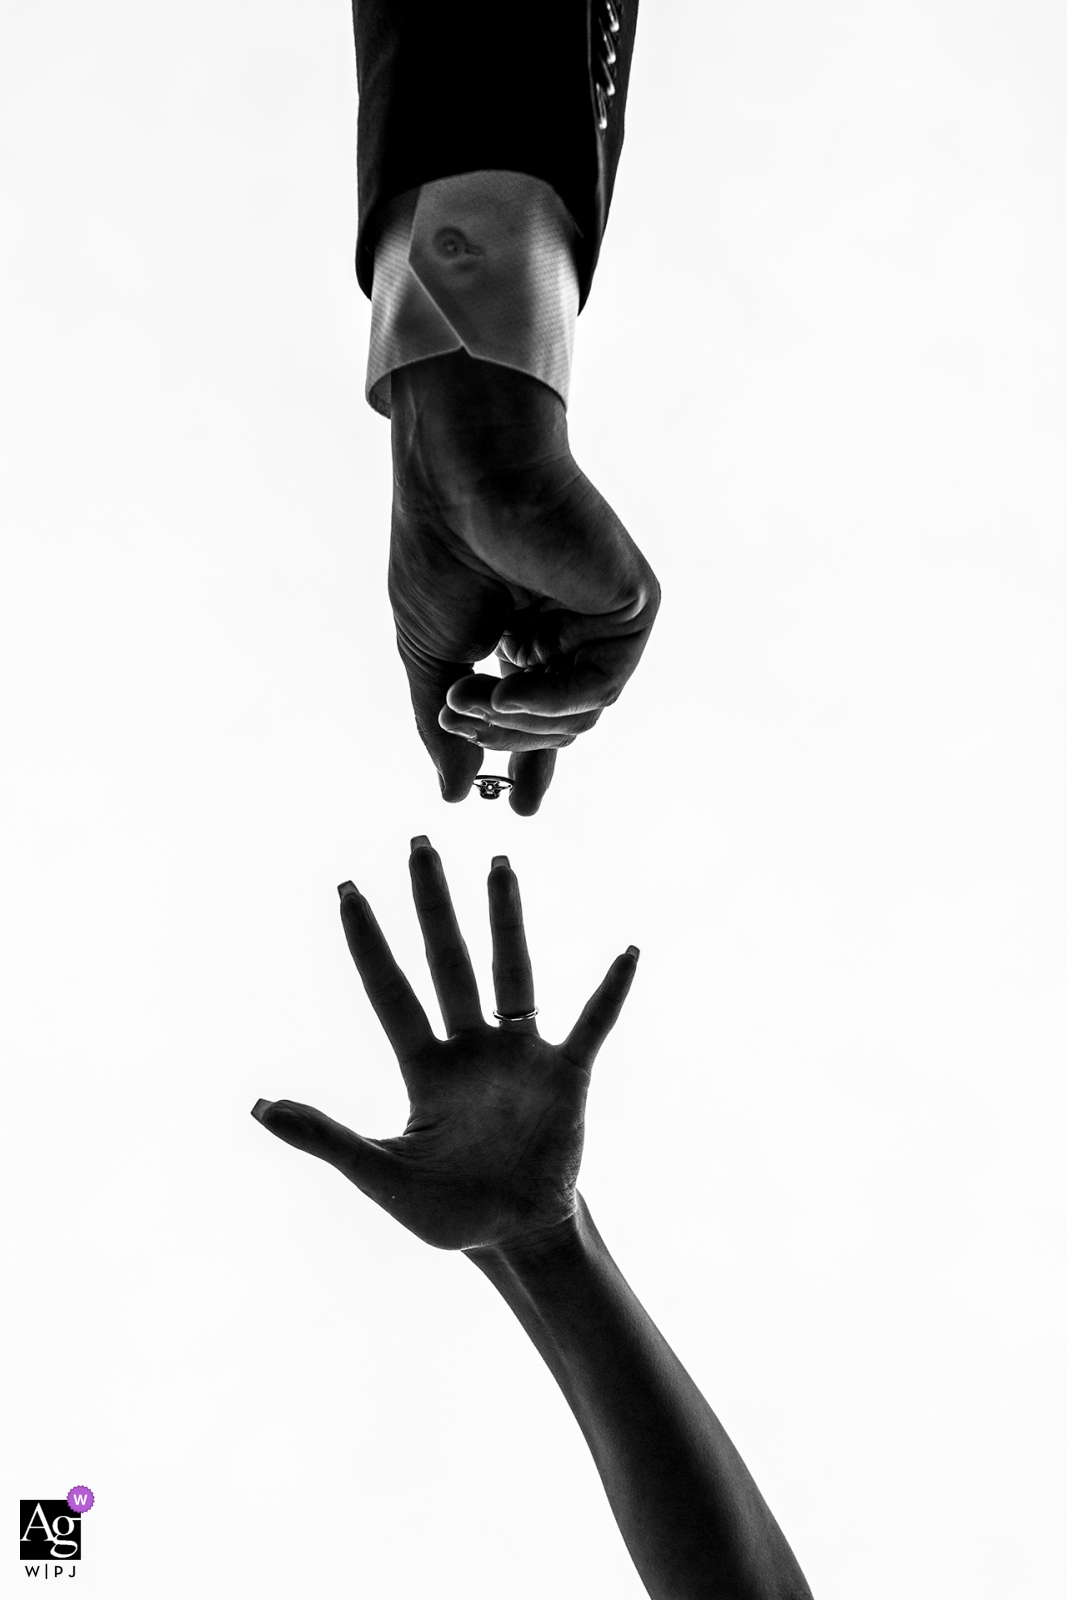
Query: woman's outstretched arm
[[692, 1518], [488, 1165]]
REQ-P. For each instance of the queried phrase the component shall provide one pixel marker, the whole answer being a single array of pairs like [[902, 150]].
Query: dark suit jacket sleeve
[[451, 86]]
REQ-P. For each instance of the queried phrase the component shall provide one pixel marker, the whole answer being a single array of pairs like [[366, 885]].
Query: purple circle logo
[[80, 1498]]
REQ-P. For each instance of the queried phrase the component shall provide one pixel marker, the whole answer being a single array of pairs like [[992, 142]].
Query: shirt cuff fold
[[482, 262]]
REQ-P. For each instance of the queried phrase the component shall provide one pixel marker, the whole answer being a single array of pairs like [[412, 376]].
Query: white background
[[822, 378]]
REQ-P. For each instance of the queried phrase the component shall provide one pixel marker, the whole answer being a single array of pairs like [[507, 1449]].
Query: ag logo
[[49, 1531]]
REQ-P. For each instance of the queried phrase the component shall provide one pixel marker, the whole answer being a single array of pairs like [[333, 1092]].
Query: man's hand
[[492, 1146], [500, 543]]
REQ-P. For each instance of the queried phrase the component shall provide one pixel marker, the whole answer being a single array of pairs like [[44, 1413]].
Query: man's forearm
[[692, 1518]]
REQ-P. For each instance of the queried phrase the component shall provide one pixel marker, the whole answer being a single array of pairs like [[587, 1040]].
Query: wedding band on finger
[[526, 1016]]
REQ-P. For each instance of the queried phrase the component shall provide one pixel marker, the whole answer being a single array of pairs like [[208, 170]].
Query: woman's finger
[[363, 1162], [601, 1012], [513, 983], [446, 953], [389, 992]]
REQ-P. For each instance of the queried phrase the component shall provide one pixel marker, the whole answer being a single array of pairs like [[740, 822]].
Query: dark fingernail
[[632, 950], [501, 861], [420, 842], [260, 1107], [346, 888]]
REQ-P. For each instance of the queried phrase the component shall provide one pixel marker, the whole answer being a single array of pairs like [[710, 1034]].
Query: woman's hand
[[487, 1164], [493, 1143]]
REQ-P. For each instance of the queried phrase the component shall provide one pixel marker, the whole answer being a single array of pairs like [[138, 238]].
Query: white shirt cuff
[[482, 262]]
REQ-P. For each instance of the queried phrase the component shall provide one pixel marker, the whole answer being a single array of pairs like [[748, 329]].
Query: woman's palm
[[493, 1142]]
